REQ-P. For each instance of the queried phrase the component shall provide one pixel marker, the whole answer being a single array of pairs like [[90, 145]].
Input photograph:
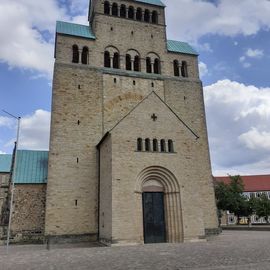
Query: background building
[[254, 185], [29, 196]]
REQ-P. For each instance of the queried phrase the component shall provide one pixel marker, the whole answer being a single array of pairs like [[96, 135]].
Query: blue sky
[[231, 36]]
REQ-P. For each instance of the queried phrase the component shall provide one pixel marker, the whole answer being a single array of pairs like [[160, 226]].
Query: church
[[129, 157]]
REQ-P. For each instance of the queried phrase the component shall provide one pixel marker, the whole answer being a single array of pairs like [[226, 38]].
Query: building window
[[176, 68], [136, 63], [128, 62], [148, 65], [116, 60], [147, 145], [75, 54], [157, 66], [170, 146], [154, 17], [107, 59], [184, 72], [123, 11], [155, 145], [146, 15], [139, 14], [162, 146], [85, 56], [139, 144], [115, 9], [131, 12], [107, 8]]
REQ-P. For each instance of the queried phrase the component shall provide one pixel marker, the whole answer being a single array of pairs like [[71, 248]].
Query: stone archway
[[172, 199]]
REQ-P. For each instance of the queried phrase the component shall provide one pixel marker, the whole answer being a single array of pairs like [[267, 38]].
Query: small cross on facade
[[154, 117]]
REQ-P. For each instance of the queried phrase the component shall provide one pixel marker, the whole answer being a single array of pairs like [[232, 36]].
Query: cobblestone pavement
[[231, 250]]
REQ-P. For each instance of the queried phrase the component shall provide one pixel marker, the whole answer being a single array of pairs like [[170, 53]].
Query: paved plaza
[[231, 250]]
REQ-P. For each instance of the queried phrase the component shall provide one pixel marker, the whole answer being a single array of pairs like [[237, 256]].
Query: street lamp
[[13, 176]]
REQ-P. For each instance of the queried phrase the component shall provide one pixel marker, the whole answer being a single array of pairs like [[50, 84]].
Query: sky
[[232, 38]]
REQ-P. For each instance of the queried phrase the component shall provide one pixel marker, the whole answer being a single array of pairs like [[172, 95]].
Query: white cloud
[[242, 59], [83, 19], [2, 153], [239, 134], [6, 121], [246, 65], [34, 132], [79, 6], [254, 53], [27, 31], [226, 17], [250, 53], [203, 69], [254, 139]]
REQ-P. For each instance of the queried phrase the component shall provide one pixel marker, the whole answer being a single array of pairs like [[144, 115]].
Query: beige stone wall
[[97, 48], [186, 99], [124, 35], [105, 211], [99, 105], [123, 96], [28, 209], [98, 98], [128, 163], [99, 8], [72, 174]]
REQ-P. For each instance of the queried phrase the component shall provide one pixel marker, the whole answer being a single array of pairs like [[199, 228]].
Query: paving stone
[[231, 250]]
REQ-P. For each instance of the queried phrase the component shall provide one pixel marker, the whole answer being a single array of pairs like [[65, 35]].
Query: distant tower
[[128, 131]]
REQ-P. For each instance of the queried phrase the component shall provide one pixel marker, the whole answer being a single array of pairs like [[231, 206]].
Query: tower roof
[[73, 29], [5, 163], [180, 47], [32, 167], [152, 2]]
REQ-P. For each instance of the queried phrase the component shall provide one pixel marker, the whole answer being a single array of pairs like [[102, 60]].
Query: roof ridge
[[180, 47], [29, 150], [72, 23]]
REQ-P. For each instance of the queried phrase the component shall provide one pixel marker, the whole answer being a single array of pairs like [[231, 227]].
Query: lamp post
[[13, 176]]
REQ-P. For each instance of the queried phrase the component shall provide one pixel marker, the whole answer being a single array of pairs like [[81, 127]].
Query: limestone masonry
[[122, 86], [129, 158]]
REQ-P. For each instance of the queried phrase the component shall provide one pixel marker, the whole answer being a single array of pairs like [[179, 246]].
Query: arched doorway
[[153, 212], [162, 182]]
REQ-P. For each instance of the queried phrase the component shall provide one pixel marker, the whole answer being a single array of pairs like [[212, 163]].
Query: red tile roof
[[252, 183]]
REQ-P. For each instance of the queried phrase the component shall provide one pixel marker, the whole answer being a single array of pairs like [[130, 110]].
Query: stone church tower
[[129, 158]]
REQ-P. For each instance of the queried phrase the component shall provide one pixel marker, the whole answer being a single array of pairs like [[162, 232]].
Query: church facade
[[129, 159]]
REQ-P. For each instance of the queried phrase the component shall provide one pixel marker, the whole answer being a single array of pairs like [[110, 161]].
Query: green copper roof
[[152, 2], [32, 167], [180, 47], [74, 30], [5, 163]]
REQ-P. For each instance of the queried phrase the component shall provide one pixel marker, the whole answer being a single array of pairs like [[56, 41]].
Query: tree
[[230, 197], [262, 206]]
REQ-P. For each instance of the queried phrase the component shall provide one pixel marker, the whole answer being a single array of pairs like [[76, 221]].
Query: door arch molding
[[172, 199]]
